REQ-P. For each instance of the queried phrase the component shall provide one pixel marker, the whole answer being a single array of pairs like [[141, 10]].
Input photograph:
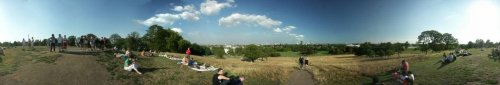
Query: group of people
[[403, 75], [29, 43], [221, 78], [149, 53], [60, 42], [448, 58], [130, 62], [303, 61], [91, 43]]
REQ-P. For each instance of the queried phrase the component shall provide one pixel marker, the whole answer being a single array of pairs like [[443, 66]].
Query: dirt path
[[301, 77], [69, 69]]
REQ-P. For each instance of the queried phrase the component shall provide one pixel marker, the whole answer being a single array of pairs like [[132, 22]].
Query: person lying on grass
[[131, 64], [219, 78]]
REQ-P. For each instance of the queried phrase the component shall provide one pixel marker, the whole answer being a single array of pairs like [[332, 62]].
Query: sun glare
[[483, 21]]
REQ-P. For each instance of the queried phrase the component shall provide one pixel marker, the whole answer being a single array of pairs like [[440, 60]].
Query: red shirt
[[405, 66], [188, 51]]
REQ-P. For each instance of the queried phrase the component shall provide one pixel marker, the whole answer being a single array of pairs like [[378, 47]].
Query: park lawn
[[15, 57], [474, 69]]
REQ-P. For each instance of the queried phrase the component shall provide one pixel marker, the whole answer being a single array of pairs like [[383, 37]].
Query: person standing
[[65, 43], [24, 43], [53, 42], [32, 42], [59, 42], [29, 42], [188, 52]]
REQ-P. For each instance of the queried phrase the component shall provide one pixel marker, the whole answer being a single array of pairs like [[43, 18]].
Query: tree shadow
[[146, 70], [82, 52]]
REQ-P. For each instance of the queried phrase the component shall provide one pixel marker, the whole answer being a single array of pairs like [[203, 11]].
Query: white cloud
[[188, 12], [288, 29], [277, 30], [160, 19], [189, 8], [211, 7], [191, 16], [178, 30], [296, 36], [237, 18], [299, 37]]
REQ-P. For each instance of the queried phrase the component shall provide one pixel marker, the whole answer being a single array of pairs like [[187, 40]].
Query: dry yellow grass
[[334, 69]]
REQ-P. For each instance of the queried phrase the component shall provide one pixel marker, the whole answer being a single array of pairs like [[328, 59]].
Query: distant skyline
[[255, 21]]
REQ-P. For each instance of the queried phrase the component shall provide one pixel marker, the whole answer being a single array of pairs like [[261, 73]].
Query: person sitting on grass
[[142, 53], [405, 67], [123, 57], [131, 64], [219, 78]]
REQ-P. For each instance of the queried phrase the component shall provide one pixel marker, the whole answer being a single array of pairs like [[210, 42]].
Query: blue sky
[[255, 21]]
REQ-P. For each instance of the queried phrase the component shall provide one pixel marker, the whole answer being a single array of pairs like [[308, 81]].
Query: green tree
[[406, 45], [183, 45], [156, 38], [172, 41], [479, 43], [114, 38], [218, 51], [450, 41], [399, 47], [253, 52], [428, 40], [133, 41]]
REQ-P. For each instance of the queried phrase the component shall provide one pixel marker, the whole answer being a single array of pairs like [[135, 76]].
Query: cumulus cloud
[[258, 20], [160, 19], [189, 8], [191, 16], [188, 12], [178, 30], [250, 19], [211, 7]]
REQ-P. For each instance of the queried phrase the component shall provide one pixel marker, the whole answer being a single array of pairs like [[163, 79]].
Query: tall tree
[[133, 41], [406, 45], [450, 41], [429, 40]]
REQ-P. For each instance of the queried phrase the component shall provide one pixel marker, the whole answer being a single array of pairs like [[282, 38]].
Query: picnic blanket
[[201, 68]]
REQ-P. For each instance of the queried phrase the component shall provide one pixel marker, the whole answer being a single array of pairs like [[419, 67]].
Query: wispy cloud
[[249, 19], [258, 20]]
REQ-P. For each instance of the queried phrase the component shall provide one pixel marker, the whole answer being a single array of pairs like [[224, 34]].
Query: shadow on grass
[[94, 53], [443, 64], [147, 70]]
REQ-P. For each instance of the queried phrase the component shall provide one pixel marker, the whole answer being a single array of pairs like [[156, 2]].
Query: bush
[[218, 52], [274, 54], [253, 52], [372, 50]]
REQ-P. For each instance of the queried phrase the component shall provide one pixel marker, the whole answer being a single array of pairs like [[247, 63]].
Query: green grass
[[14, 57], [156, 70], [289, 54], [474, 69]]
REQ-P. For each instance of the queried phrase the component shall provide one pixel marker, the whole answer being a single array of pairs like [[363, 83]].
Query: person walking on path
[[301, 62]]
